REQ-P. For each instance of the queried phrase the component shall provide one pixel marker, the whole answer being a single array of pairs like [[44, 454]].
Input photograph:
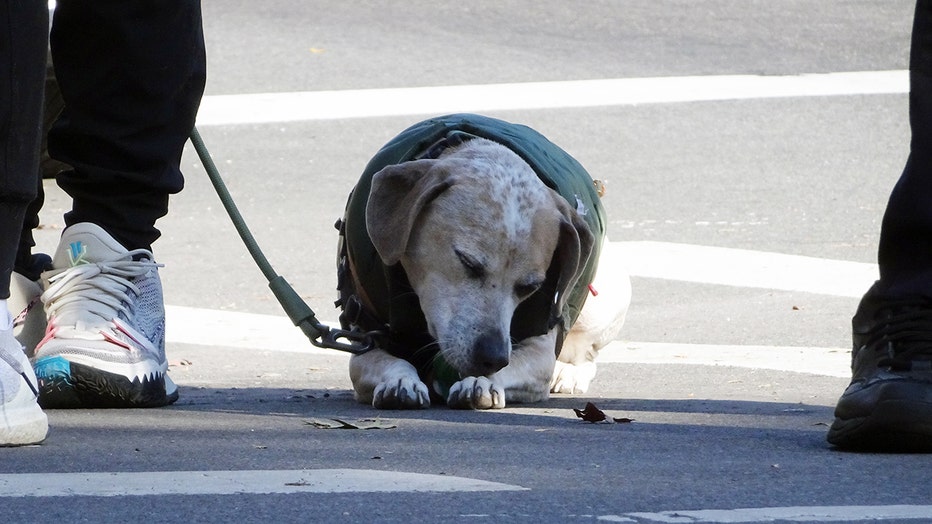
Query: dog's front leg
[[387, 382], [526, 378]]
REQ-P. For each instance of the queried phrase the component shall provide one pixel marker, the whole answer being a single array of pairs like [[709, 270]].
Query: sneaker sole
[[64, 384], [31, 427], [899, 423]]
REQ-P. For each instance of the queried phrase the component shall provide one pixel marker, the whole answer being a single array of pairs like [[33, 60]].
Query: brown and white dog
[[476, 232]]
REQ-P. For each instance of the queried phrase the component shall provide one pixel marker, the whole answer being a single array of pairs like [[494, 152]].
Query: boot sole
[[899, 419]]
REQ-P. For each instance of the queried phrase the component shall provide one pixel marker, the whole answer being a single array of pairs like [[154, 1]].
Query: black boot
[[888, 406]]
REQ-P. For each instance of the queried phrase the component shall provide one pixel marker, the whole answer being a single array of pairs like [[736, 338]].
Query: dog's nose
[[490, 353]]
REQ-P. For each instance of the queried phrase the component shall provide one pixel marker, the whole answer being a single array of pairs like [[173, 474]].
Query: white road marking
[[712, 265], [365, 103], [794, 514], [746, 268], [832, 362], [209, 327], [113, 484]]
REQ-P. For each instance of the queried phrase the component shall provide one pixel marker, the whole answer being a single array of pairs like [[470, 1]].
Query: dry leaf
[[374, 423], [335, 423], [591, 413], [594, 414]]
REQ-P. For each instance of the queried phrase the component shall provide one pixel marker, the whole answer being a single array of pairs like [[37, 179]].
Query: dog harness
[[376, 297]]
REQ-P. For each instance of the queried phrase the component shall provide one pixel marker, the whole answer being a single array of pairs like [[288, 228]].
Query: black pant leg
[[131, 74], [905, 253], [23, 28]]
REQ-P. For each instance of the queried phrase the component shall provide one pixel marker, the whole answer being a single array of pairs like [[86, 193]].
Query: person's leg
[[888, 406], [22, 57], [30, 265], [905, 253], [131, 74]]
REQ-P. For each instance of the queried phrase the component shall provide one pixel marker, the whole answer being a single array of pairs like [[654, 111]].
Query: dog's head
[[477, 232]]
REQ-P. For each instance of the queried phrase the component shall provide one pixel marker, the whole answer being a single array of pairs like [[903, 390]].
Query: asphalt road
[[730, 379]]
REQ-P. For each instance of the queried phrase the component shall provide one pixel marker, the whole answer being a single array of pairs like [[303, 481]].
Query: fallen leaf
[[328, 424], [335, 423], [374, 423], [623, 420], [590, 413]]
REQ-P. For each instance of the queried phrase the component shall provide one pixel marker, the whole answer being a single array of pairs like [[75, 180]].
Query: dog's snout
[[490, 353]]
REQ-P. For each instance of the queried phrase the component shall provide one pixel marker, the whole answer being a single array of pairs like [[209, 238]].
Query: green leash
[[356, 342]]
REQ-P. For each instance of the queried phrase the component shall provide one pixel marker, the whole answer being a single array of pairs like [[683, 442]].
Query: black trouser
[[23, 49], [131, 73], [905, 253]]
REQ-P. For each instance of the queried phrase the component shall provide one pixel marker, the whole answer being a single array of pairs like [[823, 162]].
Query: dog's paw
[[571, 378], [476, 393], [404, 393]]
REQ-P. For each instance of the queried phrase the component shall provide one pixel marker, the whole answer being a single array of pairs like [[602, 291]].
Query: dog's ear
[[398, 195], [574, 247]]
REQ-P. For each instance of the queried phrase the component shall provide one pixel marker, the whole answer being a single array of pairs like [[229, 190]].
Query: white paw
[[476, 393], [570, 378], [404, 393]]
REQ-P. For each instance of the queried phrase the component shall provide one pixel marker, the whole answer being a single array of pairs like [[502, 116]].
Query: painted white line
[[364, 103], [744, 268], [209, 327], [206, 327], [832, 362], [713, 265], [113, 484], [794, 514], [271, 333]]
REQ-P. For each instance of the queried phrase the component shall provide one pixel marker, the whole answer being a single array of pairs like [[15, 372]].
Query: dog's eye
[[473, 267], [527, 289]]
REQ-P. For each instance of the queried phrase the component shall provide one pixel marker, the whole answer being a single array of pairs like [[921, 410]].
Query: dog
[[471, 270]]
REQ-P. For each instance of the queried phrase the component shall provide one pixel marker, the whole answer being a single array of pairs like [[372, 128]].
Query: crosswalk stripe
[[112, 484], [257, 108], [747, 268], [711, 265], [830, 362]]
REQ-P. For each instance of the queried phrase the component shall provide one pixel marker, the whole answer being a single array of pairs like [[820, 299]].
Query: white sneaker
[[21, 419], [105, 341], [28, 316]]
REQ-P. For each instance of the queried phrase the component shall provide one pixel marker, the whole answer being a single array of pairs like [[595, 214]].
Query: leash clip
[[353, 341]]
